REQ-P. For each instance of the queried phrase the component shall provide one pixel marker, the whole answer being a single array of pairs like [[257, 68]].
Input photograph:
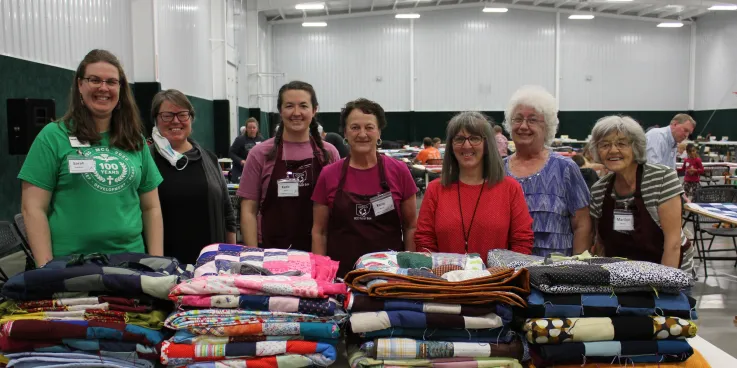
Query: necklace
[[460, 207]]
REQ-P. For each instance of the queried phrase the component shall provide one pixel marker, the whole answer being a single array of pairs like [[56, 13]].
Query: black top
[[239, 150], [590, 176], [184, 207], [336, 140]]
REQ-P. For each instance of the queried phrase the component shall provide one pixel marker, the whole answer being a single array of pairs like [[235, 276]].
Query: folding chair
[[705, 225], [14, 254]]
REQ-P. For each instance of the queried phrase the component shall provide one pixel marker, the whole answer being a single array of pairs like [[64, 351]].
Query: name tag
[[76, 143], [81, 165], [382, 203], [623, 221], [288, 188]]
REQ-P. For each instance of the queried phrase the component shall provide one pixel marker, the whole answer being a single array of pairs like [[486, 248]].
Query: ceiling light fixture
[[495, 10], [314, 24], [407, 16], [581, 16], [723, 7], [310, 6], [670, 25]]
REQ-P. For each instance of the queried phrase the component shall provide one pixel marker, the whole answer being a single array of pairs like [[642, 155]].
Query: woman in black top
[[194, 197]]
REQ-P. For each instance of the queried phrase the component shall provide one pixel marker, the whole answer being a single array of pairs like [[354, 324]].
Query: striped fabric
[[553, 195], [659, 184]]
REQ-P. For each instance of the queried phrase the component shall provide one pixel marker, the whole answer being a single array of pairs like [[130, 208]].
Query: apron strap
[[382, 174]]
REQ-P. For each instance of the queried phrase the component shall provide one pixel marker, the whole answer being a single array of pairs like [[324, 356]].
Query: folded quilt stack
[[251, 307], [433, 310], [586, 309], [88, 311]]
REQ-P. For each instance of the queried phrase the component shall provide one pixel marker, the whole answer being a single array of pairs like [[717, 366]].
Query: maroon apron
[[354, 230], [286, 222], [645, 243]]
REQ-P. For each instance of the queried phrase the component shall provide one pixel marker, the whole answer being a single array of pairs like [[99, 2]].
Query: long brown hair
[[126, 128], [314, 133]]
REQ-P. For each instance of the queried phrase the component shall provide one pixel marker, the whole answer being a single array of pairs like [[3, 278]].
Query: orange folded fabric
[[504, 285], [695, 361]]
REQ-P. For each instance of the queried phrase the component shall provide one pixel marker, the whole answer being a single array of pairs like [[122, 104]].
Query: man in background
[[238, 152], [335, 139], [662, 143], [436, 142], [428, 153]]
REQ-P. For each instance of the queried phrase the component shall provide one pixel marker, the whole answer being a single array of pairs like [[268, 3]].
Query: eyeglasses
[[530, 121], [607, 146], [474, 140], [169, 116], [97, 82]]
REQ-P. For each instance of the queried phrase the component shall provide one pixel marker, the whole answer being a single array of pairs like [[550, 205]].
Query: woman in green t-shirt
[[89, 182]]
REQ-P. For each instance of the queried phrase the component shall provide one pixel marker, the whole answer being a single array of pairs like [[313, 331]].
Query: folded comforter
[[316, 306], [375, 321], [124, 274], [219, 259], [542, 305], [621, 328], [318, 353], [503, 285], [586, 274], [404, 348], [258, 285], [44, 330], [623, 352]]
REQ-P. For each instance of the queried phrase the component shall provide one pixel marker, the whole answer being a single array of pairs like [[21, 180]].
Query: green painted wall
[[24, 79], [203, 128]]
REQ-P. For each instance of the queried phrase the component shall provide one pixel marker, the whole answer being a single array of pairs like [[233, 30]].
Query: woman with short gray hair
[[556, 193], [637, 207], [475, 195], [195, 204]]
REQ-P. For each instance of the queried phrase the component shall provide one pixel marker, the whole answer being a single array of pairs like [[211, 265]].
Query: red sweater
[[502, 219], [692, 163]]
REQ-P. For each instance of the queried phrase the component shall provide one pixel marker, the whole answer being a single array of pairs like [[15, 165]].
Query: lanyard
[[460, 207]]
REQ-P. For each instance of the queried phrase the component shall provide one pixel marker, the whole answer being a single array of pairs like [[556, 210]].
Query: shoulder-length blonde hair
[[126, 128], [474, 123]]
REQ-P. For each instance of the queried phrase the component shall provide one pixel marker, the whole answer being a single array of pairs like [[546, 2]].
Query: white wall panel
[[716, 61], [469, 60], [184, 46], [62, 32], [633, 65], [350, 58]]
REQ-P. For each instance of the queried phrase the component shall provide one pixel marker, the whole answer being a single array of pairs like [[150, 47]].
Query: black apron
[[354, 230], [645, 243], [286, 222]]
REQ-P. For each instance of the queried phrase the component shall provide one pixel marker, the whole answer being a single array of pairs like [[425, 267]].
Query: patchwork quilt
[[218, 259], [646, 303], [587, 274], [622, 328], [320, 354]]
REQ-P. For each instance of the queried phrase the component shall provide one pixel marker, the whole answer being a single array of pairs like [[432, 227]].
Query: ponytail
[[271, 155], [315, 133]]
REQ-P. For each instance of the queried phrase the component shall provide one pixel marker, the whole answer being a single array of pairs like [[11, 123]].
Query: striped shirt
[[659, 184]]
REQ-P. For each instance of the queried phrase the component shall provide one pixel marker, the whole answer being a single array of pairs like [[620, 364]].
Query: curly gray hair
[[540, 100], [624, 125]]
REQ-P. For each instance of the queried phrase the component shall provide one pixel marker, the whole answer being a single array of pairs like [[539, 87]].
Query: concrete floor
[[716, 298]]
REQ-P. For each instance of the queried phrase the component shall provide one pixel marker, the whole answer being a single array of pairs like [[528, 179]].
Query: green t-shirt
[[91, 212]]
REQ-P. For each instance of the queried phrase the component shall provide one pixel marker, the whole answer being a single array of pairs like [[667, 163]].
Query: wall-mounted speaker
[[26, 118]]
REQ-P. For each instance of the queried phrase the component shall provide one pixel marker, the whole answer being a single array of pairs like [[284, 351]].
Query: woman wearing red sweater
[[474, 207], [693, 168]]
